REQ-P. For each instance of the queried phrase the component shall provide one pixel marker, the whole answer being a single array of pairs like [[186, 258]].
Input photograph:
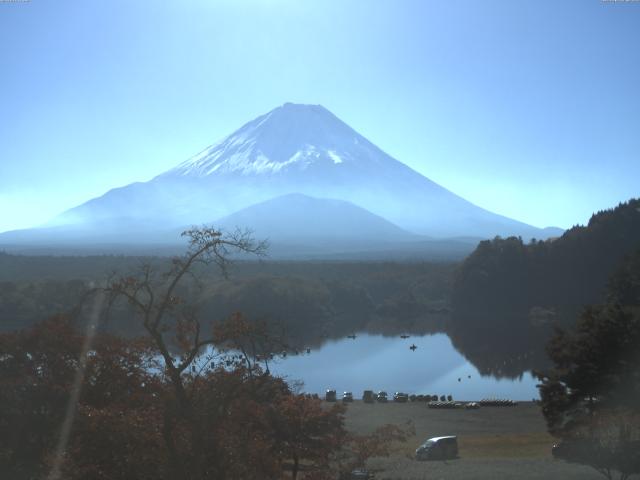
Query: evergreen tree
[[591, 397]]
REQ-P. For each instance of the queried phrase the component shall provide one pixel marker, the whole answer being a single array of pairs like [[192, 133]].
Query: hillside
[[509, 295], [296, 218]]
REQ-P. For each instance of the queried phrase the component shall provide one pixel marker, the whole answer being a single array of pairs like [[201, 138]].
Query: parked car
[[330, 396], [574, 450], [347, 397], [382, 396], [472, 405], [438, 448], [357, 474], [361, 474], [368, 396], [558, 451], [400, 397]]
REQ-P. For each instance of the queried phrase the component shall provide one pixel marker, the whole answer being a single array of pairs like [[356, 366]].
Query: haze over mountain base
[[297, 175]]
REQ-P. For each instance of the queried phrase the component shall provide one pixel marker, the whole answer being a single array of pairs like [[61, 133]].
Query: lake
[[375, 362]]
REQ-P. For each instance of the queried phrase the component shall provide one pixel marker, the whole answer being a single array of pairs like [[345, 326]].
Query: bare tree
[[173, 324]]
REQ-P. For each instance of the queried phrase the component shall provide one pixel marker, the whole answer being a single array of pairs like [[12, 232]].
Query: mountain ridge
[[303, 149], [295, 216]]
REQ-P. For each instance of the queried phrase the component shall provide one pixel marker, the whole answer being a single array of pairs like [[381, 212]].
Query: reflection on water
[[374, 362]]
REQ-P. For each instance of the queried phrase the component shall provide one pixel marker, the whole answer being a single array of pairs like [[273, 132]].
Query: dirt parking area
[[494, 443]]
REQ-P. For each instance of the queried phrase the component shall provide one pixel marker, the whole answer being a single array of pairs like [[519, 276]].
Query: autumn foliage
[[125, 424], [191, 400]]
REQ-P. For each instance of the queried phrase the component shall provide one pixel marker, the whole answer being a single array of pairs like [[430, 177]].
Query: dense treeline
[[92, 406], [26, 268], [591, 396], [311, 301], [500, 306], [508, 296]]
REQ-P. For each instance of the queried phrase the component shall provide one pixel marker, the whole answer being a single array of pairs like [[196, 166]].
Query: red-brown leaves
[[380, 443], [129, 423], [308, 433], [37, 371]]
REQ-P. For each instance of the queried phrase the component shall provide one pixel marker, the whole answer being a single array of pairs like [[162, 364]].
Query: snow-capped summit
[[291, 137]]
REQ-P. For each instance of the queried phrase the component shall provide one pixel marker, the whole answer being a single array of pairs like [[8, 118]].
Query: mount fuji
[[293, 149]]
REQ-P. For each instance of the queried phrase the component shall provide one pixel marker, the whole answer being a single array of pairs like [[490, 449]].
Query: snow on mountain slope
[[289, 138], [301, 149]]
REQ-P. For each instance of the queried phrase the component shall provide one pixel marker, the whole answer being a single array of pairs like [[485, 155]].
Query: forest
[[500, 305], [81, 403], [311, 301], [508, 296]]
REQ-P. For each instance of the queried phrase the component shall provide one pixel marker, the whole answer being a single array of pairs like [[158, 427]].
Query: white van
[[438, 448]]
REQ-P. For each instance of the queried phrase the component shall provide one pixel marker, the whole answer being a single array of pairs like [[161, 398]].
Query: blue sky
[[529, 109]]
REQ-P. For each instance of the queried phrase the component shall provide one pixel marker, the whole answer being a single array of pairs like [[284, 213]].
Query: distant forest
[[509, 296], [500, 306], [308, 301]]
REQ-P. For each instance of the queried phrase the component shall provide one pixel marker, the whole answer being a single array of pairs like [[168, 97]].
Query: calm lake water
[[374, 362]]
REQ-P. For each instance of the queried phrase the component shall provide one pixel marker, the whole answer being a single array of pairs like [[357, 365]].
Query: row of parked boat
[[451, 405], [497, 402], [369, 396], [486, 402], [433, 401]]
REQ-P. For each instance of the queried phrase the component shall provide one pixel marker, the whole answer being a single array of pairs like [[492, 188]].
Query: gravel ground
[[494, 443], [485, 468]]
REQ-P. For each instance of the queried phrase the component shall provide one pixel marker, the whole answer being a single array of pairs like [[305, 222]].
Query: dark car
[[357, 474], [347, 397], [400, 397], [574, 450], [558, 451], [330, 396], [368, 396], [361, 474], [382, 397], [438, 448]]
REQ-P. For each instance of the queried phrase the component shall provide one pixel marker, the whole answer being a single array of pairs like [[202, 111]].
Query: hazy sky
[[529, 109]]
